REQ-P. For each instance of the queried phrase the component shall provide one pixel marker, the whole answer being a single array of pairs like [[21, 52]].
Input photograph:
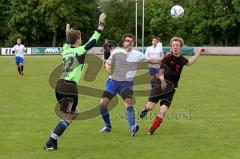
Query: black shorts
[[165, 99], [67, 95]]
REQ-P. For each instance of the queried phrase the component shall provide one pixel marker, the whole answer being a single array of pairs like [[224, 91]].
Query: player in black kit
[[169, 75]]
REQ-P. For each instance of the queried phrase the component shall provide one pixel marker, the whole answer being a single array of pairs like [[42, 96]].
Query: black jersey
[[173, 67]]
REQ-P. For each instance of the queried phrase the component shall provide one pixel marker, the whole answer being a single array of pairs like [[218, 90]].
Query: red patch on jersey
[[171, 62], [168, 55]]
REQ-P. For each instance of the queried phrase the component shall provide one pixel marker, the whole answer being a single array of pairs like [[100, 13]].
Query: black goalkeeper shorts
[[67, 95]]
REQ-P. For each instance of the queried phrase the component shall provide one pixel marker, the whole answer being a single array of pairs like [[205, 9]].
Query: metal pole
[[136, 36], [143, 25]]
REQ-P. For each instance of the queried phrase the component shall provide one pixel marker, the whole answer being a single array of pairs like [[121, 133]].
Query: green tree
[[57, 13], [120, 18], [25, 22], [4, 6], [42, 22]]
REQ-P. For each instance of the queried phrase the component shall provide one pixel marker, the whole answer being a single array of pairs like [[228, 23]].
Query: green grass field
[[203, 121]]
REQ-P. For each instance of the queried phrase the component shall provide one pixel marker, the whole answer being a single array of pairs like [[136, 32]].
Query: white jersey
[[159, 44], [19, 50], [125, 64], [153, 52]]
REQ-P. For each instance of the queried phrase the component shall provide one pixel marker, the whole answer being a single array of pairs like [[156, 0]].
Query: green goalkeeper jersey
[[73, 58]]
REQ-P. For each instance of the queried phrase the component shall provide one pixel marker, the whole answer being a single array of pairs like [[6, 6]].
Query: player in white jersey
[[154, 52], [19, 51], [121, 80], [159, 44]]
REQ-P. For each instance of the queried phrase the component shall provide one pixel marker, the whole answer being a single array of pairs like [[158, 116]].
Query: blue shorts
[[19, 60], [153, 71], [123, 88]]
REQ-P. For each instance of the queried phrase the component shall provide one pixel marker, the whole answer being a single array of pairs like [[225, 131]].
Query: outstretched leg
[[105, 114], [148, 107], [68, 103], [158, 120], [131, 116]]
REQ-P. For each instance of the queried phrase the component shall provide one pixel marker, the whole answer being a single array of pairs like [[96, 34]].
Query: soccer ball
[[177, 11]]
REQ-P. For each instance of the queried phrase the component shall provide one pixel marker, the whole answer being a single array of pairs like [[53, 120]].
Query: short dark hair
[[73, 35], [129, 36]]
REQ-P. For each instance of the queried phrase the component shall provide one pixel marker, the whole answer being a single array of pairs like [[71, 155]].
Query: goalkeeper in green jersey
[[66, 89]]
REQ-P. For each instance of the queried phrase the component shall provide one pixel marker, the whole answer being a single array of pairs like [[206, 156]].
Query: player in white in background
[[121, 80], [159, 44], [19, 51], [154, 52]]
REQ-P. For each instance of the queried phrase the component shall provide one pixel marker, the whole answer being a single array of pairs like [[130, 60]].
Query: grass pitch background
[[209, 89]]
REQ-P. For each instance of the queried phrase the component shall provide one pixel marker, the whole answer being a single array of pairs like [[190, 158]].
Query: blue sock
[[105, 116], [131, 117], [59, 129]]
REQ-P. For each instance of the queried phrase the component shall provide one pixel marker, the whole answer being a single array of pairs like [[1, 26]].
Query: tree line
[[42, 22]]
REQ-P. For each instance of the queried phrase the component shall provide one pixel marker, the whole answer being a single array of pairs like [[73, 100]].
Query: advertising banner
[[8, 51], [46, 50]]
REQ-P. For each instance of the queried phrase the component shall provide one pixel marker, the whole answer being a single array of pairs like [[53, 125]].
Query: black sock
[[22, 68], [19, 69], [58, 131], [51, 141]]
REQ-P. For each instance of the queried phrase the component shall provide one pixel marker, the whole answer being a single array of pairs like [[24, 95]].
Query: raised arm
[[66, 44], [194, 58], [93, 40]]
